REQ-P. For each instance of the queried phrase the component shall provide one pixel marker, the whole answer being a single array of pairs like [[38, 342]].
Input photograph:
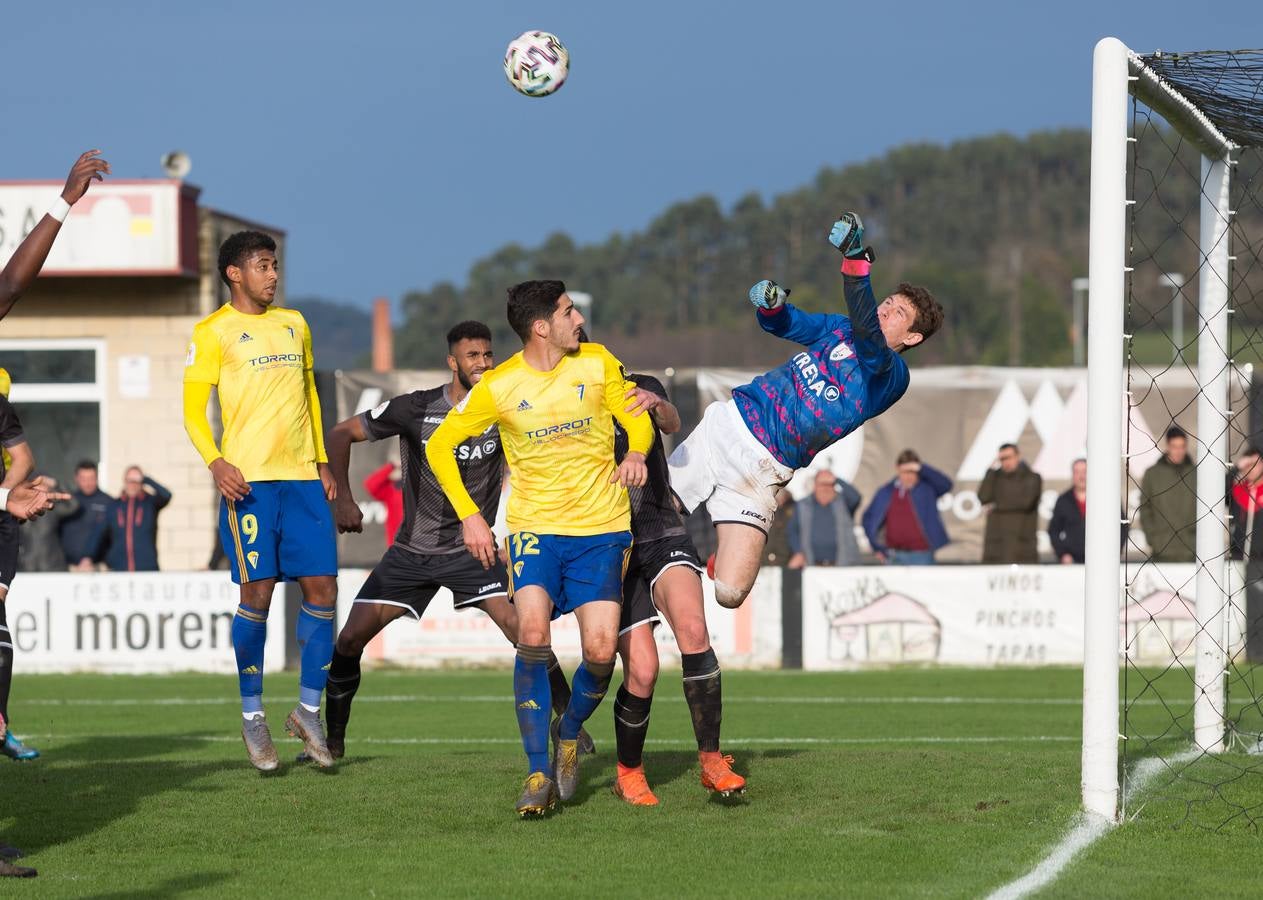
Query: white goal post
[[1116, 73]]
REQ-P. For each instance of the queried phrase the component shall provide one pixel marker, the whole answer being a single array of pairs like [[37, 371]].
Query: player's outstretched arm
[[649, 396], [847, 235], [28, 259], [346, 512], [470, 419], [777, 316]]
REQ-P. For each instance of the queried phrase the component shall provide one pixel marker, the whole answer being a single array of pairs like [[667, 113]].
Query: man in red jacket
[[385, 488]]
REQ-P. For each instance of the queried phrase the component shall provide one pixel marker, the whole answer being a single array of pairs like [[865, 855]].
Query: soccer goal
[[1171, 711]]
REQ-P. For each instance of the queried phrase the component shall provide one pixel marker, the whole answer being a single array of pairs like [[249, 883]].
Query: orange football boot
[[718, 776], [632, 786]]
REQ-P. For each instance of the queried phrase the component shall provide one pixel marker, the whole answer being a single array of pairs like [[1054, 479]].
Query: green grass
[[858, 787]]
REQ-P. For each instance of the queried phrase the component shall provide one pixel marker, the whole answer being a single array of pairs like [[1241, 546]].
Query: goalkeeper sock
[[591, 681], [344, 681], [557, 682], [531, 697], [704, 693], [631, 725]]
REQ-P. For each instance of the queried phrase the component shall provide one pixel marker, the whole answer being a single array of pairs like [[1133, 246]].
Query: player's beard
[[466, 379]]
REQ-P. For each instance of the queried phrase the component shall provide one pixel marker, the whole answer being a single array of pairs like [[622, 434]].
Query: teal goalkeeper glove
[[768, 295], [847, 235]]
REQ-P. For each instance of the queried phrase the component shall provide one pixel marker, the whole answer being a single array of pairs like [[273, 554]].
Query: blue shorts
[[573, 570], [281, 529]]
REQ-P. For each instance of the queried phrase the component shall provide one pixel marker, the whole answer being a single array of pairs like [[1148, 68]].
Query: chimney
[[383, 337]]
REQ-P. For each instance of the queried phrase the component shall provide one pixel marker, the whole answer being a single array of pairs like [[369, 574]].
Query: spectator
[[38, 543], [1011, 491], [776, 551], [132, 521], [823, 530], [1168, 502], [1067, 529], [902, 523], [1247, 504], [83, 534], [384, 487]]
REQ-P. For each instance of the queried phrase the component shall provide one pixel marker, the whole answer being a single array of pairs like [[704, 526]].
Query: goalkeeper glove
[[768, 295], [847, 235]]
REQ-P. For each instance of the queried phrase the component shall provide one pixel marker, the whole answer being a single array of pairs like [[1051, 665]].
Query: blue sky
[[385, 139]]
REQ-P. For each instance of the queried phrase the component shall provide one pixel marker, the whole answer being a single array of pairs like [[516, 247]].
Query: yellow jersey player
[[569, 517], [274, 479]]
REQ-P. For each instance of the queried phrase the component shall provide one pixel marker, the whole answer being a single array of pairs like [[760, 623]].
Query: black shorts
[[410, 580], [8, 549], [648, 561]]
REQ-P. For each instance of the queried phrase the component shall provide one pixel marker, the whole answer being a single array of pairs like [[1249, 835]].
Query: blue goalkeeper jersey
[[844, 376]]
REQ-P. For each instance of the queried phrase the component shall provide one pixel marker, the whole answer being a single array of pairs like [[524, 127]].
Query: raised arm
[[777, 316], [649, 396], [28, 259], [871, 349], [161, 496]]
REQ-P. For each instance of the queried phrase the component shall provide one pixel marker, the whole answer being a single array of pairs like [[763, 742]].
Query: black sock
[[704, 693], [631, 724], [344, 681], [560, 687]]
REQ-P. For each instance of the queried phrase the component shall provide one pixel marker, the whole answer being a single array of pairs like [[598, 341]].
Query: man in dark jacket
[[822, 532], [1168, 502], [83, 534], [132, 523], [38, 541], [902, 523], [1011, 490], [1067, 529]]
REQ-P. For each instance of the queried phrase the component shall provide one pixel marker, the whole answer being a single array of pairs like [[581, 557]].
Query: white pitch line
[[665, 742], [1085, 830], [735, 698]]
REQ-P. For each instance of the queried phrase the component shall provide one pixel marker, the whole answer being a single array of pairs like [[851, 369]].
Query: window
[[59, 393]]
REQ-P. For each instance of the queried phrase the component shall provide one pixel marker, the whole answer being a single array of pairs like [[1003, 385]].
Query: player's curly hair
[[467, 331], [531, 301], [929, 312], [237, 249]]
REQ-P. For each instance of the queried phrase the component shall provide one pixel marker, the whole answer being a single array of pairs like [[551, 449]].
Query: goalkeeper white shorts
[[724, 466]]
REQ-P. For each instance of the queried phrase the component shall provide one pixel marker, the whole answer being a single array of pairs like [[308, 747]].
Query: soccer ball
[[536, 63]]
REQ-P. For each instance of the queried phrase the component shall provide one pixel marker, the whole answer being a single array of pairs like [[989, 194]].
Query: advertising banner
[[131, 622], [995, 615]]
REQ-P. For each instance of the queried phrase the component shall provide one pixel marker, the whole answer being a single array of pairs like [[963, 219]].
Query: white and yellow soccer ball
[[536, 63]]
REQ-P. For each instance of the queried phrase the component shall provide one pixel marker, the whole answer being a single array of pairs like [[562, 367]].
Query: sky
[[384, 138]]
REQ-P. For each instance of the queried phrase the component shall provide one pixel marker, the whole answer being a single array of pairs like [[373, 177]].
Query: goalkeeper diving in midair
[[849, 371]]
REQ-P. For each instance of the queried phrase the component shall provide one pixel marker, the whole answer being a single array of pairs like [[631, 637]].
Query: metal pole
[[1107, 259], [1175, 281], [1078, 299], [1212, 456]]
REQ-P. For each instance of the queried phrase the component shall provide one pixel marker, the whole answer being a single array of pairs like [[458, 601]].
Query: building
[[96, 350]]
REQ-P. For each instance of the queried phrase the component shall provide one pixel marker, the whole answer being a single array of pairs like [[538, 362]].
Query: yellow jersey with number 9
[[260, 365], [558, 438]]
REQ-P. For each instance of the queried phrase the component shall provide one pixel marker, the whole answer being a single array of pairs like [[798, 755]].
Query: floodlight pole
[[1107, 260]]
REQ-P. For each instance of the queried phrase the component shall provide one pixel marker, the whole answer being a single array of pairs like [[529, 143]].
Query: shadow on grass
[[84, 787], [172, 887]]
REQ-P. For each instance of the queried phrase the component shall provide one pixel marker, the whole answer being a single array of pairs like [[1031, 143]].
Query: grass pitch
[[908, 782]]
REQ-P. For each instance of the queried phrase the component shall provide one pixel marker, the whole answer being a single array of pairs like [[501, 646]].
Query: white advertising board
[[991, 615], [118, 227], [131, 623]]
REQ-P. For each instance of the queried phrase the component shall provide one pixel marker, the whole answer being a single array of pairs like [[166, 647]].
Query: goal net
[[1175, 330]]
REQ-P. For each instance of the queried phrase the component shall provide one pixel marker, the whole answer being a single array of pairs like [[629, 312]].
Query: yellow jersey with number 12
[[558, 438], [262, 366]]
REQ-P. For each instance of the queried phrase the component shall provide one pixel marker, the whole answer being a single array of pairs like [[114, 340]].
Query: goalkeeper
[[849, 370]]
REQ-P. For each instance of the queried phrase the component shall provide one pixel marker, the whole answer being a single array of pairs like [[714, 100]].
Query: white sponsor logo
[[378, 409], [831, 393], [432, 420]]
